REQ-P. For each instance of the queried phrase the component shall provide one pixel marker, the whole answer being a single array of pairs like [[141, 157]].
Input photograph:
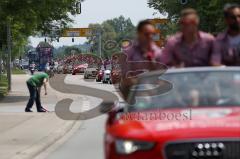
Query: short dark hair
[[228, 7], [188, 11], [142, 24]]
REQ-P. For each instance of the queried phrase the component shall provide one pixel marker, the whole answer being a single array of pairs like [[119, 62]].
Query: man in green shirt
[[34, 85]]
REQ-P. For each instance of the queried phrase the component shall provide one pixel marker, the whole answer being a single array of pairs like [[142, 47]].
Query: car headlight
[[126, 147]]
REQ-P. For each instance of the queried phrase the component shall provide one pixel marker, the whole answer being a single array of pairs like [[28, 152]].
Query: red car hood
[[81, 66], [195, 123]]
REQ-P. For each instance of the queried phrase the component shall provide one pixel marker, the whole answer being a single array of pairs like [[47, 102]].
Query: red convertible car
[[199, 118], [79, 69]]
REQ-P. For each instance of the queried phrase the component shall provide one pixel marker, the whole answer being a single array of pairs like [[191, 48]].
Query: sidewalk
[[25, 135]]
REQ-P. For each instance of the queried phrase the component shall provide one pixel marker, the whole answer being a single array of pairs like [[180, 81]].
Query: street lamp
[[78, 6]]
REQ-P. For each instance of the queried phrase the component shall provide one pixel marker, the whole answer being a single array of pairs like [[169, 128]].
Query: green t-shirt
[[37, 79]]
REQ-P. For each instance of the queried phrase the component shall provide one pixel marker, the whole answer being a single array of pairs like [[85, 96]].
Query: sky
[[97, 11]]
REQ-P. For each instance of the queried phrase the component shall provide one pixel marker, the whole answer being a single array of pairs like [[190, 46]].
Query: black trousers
[[34, 96]]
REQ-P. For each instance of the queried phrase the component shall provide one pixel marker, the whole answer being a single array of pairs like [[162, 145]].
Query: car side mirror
[[117, 110], [119, 107]]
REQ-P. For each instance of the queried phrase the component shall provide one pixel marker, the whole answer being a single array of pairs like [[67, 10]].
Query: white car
[[90, 72], [106, 76]]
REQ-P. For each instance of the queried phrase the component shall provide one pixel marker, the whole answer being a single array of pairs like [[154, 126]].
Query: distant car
[[197, 119], [79, 69], [99, 76], [115, 76], [56, 64], [90, 73], [67, 69], [25, 64], [106, 76], [59, 69]]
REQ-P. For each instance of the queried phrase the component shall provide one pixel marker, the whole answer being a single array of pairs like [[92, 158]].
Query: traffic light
[[183, 1], [78, 7]]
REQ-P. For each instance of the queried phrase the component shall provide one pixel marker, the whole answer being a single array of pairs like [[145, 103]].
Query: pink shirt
[[224, 53], [177, 53], [135, 53]]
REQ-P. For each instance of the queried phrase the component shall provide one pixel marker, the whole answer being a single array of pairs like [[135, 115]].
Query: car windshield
[[194, 89]]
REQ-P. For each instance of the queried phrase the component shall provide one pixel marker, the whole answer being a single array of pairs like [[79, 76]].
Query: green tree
[[32, 17], [210, 12], [123, 27], [71, 50], [114, 30]]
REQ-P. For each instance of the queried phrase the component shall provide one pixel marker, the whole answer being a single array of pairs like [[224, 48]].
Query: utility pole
[[1, 52], [9, 52], [100, 44]]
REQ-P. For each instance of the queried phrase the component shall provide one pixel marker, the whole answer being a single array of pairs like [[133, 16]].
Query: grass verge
[[3, 86], [17, 71]]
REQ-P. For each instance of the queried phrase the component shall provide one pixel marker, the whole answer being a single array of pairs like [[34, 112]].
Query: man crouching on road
[[34, 85]]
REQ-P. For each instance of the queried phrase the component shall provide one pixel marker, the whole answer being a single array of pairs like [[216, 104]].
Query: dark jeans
[[34, 96]]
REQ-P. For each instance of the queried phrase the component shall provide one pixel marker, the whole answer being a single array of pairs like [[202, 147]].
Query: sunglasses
[[188, 22]]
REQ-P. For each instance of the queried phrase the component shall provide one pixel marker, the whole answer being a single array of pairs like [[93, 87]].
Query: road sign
[[77, 32], [160, 25]]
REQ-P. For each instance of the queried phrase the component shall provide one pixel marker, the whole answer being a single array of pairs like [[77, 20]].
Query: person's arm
[[167, 54], [216, 56], [45, 85]]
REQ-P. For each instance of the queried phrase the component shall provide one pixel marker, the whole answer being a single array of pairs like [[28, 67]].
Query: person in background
[[190, 47], [227, 44], [34, 85], [107, 63], [144, 48]]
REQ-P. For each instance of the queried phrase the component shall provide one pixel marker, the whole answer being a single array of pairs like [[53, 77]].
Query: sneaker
[[43, 110], [28, 110]]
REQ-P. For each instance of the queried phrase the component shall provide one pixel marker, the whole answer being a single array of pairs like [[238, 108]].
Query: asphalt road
[[87, 142]]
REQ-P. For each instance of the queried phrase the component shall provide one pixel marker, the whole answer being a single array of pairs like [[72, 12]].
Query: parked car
[[198, 118], [90, 73], [106, 76], [79, 69]]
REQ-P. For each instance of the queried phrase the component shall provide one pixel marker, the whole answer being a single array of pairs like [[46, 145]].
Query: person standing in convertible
[[144, 47], [34, 85], [227, 44], [190, 47]]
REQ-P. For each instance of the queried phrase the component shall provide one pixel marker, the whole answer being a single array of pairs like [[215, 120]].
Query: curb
[[52, 148], [46, 142]]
